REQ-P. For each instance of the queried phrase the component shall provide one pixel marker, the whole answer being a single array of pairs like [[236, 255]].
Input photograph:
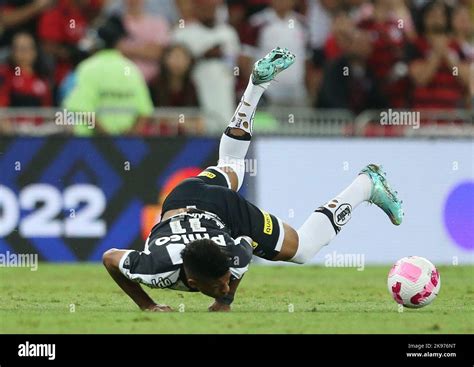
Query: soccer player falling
[[208, 232]]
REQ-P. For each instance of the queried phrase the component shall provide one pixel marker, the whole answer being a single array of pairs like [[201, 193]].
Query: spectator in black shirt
[[348, 81], [175, 87]]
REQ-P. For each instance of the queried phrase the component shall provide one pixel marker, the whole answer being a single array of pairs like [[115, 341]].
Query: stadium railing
[[415, 123], [304, 121], [291, 121]]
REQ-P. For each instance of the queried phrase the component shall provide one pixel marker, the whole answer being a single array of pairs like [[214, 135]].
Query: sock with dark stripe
[[326, 221], [245, 112], [233, 148]]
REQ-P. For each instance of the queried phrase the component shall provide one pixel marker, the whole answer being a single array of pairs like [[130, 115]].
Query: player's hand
[[158, 308], [219, 307]]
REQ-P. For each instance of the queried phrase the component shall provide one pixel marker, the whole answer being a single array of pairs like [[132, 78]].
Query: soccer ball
[[413, 282]]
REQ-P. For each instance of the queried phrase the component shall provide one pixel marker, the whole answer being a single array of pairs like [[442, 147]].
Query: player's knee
[[309, 244], [303, 253], [300, 257], [109, 258], [299, 260]]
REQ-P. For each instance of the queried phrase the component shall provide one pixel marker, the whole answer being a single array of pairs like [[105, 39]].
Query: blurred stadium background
[[106, 105]]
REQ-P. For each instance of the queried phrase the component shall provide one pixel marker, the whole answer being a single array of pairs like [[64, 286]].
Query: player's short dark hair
[[205, 259]]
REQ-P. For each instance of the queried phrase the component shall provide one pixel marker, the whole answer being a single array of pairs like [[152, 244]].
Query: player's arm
[[223, 304], [111, 260]]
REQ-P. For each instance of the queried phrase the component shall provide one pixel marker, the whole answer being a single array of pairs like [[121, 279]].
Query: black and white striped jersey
[[160, 264]]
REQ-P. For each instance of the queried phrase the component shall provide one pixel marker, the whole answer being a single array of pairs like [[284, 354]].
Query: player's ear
[[192, 283]]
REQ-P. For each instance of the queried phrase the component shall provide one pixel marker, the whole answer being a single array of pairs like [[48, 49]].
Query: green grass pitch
[[279, 299]]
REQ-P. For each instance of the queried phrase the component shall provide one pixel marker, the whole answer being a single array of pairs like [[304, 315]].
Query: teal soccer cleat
[[271, 65], [382, 195]]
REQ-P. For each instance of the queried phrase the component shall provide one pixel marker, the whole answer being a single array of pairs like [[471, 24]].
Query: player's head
[[207, 268]]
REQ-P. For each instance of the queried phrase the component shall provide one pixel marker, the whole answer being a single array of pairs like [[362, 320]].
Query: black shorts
[[210, 192]]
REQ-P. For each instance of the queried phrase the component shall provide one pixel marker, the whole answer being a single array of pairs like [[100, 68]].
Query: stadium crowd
[[136, 55]]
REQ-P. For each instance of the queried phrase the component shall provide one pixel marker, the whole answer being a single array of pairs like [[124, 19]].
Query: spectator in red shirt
[[437, 66], [339, 39], [22, 82], [463, 30], [60, 29], [19, 15], [386, 60]]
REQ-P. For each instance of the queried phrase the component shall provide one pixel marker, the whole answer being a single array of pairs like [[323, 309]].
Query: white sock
[[232, 154], [245, 112], [326, 221], [357, 192], [232, 148]]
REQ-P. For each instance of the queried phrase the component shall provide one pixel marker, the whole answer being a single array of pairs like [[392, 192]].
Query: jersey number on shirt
[[194, 223]]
